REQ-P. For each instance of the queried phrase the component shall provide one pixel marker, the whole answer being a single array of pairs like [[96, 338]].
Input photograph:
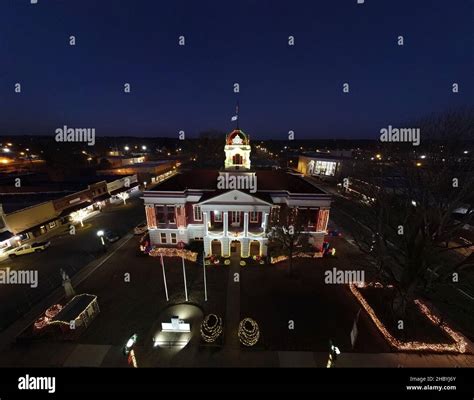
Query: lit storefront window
[[327, 168]]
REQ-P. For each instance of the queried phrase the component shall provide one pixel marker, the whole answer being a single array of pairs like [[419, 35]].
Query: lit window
[[235, 217], [171, 216], [254, 216], [163, 237], [217, 216], [197, 213]]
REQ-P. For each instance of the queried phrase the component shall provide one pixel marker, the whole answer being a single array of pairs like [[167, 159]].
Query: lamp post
[[101, 235], [204, 271], [184, 277], [333, 353]]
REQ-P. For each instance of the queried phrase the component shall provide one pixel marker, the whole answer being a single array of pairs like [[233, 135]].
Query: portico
[[235, 216]]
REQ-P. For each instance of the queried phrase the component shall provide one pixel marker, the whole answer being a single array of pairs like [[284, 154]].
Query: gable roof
[[235, 195]]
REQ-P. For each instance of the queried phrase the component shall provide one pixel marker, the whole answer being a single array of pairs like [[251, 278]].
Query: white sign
[[176, 325]]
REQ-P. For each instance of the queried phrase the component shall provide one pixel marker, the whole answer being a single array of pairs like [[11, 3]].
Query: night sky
[[190, 88]]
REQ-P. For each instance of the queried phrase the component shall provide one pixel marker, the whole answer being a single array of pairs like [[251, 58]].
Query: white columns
[[246, 224], [226, 223], [265, 221], [205, 219]]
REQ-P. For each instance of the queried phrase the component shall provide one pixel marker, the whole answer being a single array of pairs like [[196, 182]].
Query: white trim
[[197, 206]]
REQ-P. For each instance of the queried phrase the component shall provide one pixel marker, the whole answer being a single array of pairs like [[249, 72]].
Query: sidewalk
[[8, 335]]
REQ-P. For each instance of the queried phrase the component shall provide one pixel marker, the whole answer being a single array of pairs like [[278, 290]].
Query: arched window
[[237, 159]]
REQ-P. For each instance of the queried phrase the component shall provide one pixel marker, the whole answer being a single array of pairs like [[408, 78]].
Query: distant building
[[117, 161], [35, 210], [145, 171], [193, 205], [328, 165]]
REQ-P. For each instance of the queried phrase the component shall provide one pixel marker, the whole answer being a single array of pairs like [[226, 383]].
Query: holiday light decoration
[[243, 263], [41, 322], [52, 311], [249, 334], [458, 347], [211, 328], [277, 259], [173, 252]]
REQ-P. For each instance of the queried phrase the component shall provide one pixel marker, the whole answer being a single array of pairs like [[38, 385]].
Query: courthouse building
[[221, 208]]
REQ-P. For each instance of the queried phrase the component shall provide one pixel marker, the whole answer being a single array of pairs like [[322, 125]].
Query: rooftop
[[204, 179], [74, 308]]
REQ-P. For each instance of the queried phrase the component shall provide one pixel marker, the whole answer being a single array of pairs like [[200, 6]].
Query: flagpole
[[205, 283], [164, 277], [237, 113], [184, 277]]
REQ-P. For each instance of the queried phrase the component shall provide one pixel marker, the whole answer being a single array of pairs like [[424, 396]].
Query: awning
[[5, 236], [38, 226], [102, 197], [74, 208], [124, 188]]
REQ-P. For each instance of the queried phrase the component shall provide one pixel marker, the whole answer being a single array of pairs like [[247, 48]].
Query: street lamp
[[143, 147], [333, 353], [126, 148], [101, 235]]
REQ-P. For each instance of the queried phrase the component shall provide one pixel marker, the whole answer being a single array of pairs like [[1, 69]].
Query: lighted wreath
[[211, 328], [243, 263], [249, 334], [227, 262]]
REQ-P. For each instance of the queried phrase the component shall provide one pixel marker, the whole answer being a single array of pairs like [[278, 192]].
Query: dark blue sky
[[190, 88]]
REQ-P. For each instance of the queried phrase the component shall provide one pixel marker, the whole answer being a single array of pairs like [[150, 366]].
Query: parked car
[[140, 229], [29, 248], [111, 236]]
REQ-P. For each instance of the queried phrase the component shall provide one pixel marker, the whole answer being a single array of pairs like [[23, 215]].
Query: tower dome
[[237, 137]]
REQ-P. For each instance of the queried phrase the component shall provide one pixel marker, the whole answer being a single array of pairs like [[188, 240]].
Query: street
[[68, 252]]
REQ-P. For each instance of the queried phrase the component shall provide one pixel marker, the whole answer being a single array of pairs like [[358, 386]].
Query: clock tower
[[237, 151]]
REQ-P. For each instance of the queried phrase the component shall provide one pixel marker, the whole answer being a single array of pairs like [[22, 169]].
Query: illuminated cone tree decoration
[[211, 328], [249, 333]]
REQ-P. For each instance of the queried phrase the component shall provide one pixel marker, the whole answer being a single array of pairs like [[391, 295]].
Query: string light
[[41, 322], [458, 347], [52, 311], [173, 252], [249, 334], [277, 259], [211, 328], [49, 314]]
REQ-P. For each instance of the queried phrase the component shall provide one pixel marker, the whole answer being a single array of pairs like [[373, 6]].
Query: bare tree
[[406, 222], [287, 234]]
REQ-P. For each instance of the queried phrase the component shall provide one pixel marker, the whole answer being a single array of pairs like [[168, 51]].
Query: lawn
[[320, 312]]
